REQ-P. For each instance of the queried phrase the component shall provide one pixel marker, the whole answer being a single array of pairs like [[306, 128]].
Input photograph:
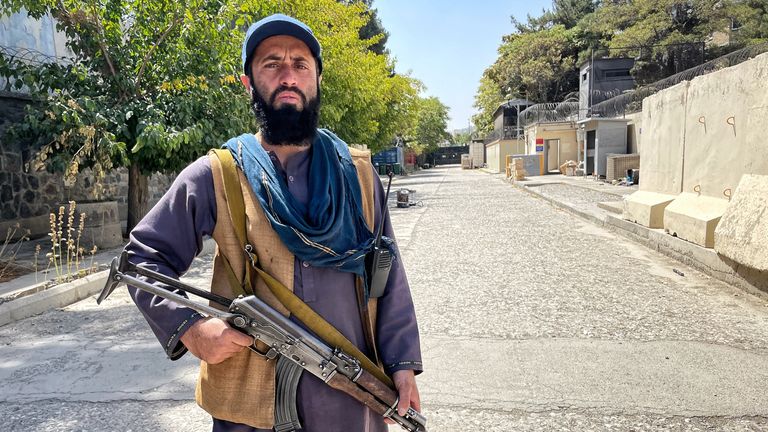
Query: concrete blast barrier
[[646, 208], [742, 234], [663, 140], [693, 217], [725, 128]]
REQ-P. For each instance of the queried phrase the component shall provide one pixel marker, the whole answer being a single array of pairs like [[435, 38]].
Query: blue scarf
[[334, 232]]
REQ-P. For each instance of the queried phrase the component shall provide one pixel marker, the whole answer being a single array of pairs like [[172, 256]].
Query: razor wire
[[14, 55], [632, 101], [550, 113], [29, 56]]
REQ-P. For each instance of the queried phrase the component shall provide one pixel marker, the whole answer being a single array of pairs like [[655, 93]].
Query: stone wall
[[28, 198]]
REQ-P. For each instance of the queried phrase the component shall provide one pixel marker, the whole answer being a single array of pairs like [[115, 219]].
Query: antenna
[[380, 229]]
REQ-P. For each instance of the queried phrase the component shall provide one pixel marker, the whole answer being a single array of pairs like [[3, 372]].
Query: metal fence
[[632, 101]]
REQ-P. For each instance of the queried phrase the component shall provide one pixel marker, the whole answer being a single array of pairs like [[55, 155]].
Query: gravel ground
[[529, 270]]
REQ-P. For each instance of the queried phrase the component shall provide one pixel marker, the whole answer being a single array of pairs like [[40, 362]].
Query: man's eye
[[302, 66]]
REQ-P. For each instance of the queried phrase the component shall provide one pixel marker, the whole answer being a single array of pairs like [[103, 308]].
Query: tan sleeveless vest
[[242, 388]]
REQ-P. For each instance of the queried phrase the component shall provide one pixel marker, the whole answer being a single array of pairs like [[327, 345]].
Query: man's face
[[284, 72], [285, 95]]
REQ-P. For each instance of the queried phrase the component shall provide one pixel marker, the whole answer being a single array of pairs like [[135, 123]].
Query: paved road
[[531, 319]]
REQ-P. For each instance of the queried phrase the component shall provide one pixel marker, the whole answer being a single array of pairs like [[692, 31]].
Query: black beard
[[286, 125]]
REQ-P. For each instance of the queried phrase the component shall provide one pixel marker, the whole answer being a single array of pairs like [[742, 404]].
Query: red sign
[[539, 141]]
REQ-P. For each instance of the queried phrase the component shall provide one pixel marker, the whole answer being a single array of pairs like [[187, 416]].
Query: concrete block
[[38, 226], [663, 140], [646, 208], [742, 234], [693, 217], [103, 236]]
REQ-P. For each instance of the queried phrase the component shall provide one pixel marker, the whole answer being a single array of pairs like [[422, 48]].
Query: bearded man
[[311, 207]]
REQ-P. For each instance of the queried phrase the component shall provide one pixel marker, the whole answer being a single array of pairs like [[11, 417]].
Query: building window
[[616, 73]]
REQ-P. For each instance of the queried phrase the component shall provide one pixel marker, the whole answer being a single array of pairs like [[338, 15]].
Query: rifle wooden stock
[[378, 388], [343, 384]]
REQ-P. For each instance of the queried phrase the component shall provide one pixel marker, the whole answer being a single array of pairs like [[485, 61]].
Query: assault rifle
[[282, 338]]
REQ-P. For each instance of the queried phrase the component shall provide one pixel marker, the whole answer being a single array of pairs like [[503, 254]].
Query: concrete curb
[[705, 260], [36, 299], [56, 296], [611, 206]]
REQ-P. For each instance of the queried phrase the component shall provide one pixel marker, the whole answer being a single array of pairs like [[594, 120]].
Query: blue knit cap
[[276, 25]]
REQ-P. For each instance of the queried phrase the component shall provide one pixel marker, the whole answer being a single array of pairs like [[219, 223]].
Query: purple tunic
[[170, 237]]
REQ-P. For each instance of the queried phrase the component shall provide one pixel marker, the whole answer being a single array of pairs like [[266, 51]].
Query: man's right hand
[[213, 340]]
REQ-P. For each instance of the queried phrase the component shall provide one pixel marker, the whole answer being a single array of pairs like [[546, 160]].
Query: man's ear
[[319, 79], [246, 82]]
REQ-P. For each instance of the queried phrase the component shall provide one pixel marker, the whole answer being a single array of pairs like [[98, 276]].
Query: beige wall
[[634, 129], [700, 138], [497, 151], [705, 134], [663, 140], [565, 132], [492, 156], [726, 125]]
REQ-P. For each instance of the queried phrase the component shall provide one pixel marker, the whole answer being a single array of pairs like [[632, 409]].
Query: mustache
[[284, 88]]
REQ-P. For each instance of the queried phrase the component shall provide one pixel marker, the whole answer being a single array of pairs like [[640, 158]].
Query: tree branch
[[102, 43], [65, 16], [148, 54]]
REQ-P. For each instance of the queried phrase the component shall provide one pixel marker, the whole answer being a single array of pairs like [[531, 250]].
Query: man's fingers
[[214, 341], [407, 391], [416, 399], [239, 338], [405, 400]]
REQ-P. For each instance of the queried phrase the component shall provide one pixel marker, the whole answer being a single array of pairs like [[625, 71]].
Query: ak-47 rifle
[[281, 336]]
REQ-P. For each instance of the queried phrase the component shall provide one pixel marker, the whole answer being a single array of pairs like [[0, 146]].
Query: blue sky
[[448, 44]]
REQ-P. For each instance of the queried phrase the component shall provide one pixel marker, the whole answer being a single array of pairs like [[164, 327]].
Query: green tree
[[153, 84], [537, 62], [664, 36], [372, 29], [532, 65], [567, 13], [430, 127], [461, 138], [487, 100], [749, 19]]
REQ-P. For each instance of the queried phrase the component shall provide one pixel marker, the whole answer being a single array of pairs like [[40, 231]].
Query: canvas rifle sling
[[291, 301], [234, 197]]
